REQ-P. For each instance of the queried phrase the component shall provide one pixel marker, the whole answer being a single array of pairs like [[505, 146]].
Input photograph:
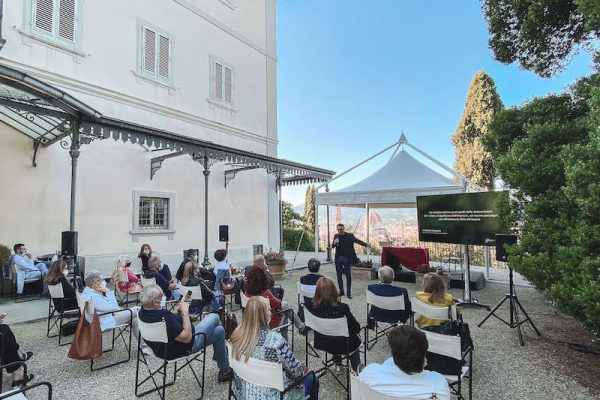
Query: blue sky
[[352, 75]]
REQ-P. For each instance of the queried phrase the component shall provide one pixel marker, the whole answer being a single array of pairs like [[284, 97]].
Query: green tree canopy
[[290, 218], [548, 152], [541, 35], [309, 208], [481, 105]]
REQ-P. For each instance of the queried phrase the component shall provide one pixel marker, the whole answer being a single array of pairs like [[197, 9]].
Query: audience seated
[[257, 284], [104, 301], [168, 286], [11, 353], [386, 289], [434, 293], [26, 268], [326, 304], [259, 261], [208, 276], [58, 274], [180, 330], [309, 281], [191, 277], [252, 338], [402, 375], [123, 263], [144, 255], [222, 269]]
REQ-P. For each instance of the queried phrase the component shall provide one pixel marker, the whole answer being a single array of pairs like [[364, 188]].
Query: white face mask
[[66, 272], [195, 258], [103, 284], [146, 252], [163, 301]]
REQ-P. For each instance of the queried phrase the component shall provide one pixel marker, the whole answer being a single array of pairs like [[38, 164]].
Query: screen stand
[[467, 300]]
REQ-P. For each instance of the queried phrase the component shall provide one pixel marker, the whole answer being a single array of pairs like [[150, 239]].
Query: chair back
[[360, 391], [243, 299], [446, 345], [123, 277], [394, 303], [326, 326], [153, 331], [306, 290], [434, 312], [196, 291], [258, 372], [147, 281], [81, 304], [56, 291]]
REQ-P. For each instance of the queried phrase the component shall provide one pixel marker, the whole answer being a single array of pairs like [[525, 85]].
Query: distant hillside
[[350, 215]]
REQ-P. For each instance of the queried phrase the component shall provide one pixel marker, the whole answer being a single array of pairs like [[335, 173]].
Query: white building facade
[[203, 69]]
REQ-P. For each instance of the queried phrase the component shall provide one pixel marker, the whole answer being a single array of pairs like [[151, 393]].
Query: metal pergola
[[48, 115]]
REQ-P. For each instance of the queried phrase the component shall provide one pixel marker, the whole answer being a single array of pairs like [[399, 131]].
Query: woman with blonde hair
[[123, 264], [191, 277], [252, 338], [434, 293]]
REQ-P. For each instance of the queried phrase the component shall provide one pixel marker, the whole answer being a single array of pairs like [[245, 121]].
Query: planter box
[[364, 274], [419, 280]]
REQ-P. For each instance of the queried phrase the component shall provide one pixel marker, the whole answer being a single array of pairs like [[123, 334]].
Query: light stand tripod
[[515, 305]]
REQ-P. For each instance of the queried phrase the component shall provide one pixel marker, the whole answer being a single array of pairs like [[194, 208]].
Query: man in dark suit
[[386, 289], [345, 257]]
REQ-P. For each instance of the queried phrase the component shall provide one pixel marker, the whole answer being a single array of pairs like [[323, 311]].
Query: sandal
[[23, 381], [27, 356]]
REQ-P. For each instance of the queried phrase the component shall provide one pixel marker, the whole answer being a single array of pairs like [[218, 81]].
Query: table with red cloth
[[409, 257]]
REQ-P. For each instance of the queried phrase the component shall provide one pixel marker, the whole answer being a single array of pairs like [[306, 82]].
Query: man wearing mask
[[26, 268], [169, 287], [345, 257]]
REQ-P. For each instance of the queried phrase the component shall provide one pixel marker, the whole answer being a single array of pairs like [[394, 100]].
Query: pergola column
[[206, 172], [328, 233], [74, 153]]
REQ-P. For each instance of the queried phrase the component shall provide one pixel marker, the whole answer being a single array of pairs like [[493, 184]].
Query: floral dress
[[272, 347]]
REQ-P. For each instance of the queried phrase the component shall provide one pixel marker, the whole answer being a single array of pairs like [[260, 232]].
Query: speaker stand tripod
[[515, 305]]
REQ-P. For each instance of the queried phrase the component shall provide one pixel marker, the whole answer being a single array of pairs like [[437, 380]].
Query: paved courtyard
[[503, 369]]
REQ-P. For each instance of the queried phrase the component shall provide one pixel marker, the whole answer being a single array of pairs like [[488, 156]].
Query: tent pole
[[316, 230], [368, 223], [328, 237]]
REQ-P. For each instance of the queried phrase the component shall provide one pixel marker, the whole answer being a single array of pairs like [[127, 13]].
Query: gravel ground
[[543, 369]]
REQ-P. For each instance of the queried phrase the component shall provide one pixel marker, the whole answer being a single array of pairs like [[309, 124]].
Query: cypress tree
[[309, 208], [482, 104]]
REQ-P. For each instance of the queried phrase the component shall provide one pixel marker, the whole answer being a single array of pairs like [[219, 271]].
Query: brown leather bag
[[228, 286], [230, 324], [87, 343]]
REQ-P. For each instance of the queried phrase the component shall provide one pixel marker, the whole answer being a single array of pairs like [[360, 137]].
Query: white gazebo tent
[[395, 185]]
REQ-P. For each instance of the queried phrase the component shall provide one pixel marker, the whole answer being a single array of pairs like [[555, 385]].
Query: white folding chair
[[360, 391], [434, 312], [123, 297], [244, 300], [147, 281], [450, 346], [390, 303], [56, 317], [118, 331], [307, 291], [15, 293], [157, 332], [262, 373], [337, 327]]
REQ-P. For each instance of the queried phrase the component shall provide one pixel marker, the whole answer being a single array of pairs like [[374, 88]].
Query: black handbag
[[443, 364], [69, 328]]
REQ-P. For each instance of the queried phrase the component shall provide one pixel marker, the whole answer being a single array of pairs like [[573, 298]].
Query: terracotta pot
[[364, 274], [277, 269]]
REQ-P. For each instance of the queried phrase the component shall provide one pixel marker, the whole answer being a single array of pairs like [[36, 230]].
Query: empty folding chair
[[56, 312], [390, 303], [263, 373], [123, 331], [157, 332]]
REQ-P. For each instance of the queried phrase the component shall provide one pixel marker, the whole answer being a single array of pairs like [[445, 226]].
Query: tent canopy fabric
[[395, 185]]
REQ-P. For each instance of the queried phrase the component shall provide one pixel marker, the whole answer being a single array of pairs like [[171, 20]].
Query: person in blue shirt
[[181, 332], [386, 289], [26, 268], [402, 375], [345, 257], [169, 287], [222, 269]]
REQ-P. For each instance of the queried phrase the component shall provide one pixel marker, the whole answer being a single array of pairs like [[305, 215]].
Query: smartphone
[[188, 296]]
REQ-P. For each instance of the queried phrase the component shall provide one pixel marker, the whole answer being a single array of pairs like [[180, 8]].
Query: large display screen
[[462, 218]]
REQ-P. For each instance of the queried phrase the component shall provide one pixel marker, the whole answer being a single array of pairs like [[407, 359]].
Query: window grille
[[56, 19], [153, 213]]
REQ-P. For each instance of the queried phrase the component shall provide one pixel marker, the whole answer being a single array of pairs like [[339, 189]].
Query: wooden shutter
[[227, 86], [163, 56], [218, 81], [149, 50], [43, 12], [67, 19]]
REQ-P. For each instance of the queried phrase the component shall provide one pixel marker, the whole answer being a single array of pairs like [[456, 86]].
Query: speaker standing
[[345, 257]]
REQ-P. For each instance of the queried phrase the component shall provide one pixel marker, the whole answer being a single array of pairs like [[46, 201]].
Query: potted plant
[[426, 269], [363, 270], [276, 262], [4, 257]]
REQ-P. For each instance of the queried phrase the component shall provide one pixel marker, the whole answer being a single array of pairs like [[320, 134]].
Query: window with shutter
[[222, 83], [55, 19], [155, 52]]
